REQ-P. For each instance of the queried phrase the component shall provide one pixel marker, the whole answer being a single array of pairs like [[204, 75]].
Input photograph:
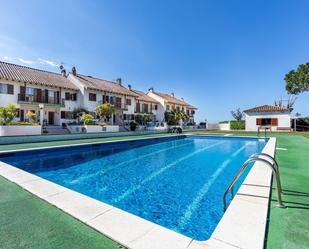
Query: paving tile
[[15, 174], [121, 226], [161, 238], [43, 188], [78, 205]]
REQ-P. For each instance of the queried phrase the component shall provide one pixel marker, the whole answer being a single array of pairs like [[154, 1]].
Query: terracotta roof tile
[[172, 100], [103, 85], [20, 73], [267, 108], [144, 97]]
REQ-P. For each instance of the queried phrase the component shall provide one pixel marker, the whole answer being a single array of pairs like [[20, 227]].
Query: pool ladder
[[275, 171]]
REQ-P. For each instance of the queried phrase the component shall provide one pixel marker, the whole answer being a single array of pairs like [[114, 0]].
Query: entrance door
[[51, 118]]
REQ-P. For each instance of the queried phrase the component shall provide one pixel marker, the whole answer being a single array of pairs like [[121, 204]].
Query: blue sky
[[218, 55]]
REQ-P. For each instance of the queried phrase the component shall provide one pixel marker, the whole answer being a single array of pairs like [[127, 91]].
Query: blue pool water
[[175, 182]]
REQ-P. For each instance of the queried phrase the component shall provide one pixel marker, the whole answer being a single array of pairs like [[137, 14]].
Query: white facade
[[166, 106], [273, 120], [47, 110]]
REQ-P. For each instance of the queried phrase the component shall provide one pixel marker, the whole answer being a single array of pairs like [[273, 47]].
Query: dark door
[[51, 118], [22, 115]]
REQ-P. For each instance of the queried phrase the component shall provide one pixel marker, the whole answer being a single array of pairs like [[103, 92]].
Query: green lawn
[[28, 222]]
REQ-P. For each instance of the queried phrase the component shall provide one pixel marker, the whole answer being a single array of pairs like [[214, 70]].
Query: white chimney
[[151, 89]]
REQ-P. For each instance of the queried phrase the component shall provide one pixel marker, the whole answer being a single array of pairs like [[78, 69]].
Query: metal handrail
[[263, 127], [274, 161], [275, 173]]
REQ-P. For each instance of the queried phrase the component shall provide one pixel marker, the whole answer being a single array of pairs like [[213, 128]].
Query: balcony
[[35, 100], [118, 106]]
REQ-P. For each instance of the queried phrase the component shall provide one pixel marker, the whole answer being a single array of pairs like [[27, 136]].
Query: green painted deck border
[[29, 222]]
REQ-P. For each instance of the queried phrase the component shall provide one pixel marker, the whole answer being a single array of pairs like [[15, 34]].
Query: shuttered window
[[267, 121], [6, 88]]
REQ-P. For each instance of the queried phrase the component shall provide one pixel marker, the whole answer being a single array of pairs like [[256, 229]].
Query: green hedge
[[237, 125]]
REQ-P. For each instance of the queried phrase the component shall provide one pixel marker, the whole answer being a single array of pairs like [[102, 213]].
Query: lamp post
[[41, 106]]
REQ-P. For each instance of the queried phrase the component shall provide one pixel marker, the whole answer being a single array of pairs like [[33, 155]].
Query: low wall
[[76, 129], [224, 127], [17, 130], [48, 138]]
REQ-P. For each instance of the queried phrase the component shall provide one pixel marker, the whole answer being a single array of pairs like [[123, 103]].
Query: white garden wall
[[19, 130]]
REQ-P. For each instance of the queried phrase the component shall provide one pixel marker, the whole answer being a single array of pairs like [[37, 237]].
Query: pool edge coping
[[146, 233]]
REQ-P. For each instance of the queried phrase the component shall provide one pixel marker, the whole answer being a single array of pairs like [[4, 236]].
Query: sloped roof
[[103, 85], [268, 108], [144, 97], [172, 100], [24, 74]]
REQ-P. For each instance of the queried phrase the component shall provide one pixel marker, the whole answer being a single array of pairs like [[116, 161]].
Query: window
[[118, 102], [267, 121], [30, 94], [156, 107], [51, 97], [168, 107], [70, 96], [6, 88], [67, 115], [67, 96], [128, 101], [74, 96], [92, 97]]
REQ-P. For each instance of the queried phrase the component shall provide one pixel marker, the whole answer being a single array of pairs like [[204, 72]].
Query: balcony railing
[[118, 106], [24, 99]]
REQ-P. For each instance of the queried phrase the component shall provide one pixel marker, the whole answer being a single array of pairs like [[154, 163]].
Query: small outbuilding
[[275, 118]]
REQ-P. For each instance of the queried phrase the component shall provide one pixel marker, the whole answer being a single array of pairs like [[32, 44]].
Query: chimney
[[74, 71], [130, 87], [151, 89], [63, 71], [118, 81], [173, 95], [182, 99]]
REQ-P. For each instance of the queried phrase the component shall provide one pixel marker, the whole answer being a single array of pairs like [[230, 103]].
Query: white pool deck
[[242, 226]]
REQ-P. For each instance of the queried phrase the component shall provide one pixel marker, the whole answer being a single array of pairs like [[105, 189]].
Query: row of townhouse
[[53, 96]]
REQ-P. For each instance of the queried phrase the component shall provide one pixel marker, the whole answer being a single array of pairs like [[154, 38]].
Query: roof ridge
[[27, 67], [96, 78]]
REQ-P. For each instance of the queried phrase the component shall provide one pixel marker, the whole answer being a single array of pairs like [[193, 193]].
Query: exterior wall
[[284, 120], [6, 99], [161, 106], [131, 108]]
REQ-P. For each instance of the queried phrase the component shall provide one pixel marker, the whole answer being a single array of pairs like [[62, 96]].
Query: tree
[[173, 117], [8, 113], [105, 110], [298, 81], [78, 112], [289, 102], [237, 114]]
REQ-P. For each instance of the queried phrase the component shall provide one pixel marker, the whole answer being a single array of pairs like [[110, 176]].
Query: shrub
[[237, 125], [87, 119], [133, 126], [7, 114], [32, 116]]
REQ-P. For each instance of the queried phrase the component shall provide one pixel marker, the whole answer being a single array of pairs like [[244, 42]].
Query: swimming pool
[[176, 182]]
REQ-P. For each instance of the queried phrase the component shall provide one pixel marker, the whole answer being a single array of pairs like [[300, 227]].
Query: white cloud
[[48, 62], [7, 58], [26, 61]]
